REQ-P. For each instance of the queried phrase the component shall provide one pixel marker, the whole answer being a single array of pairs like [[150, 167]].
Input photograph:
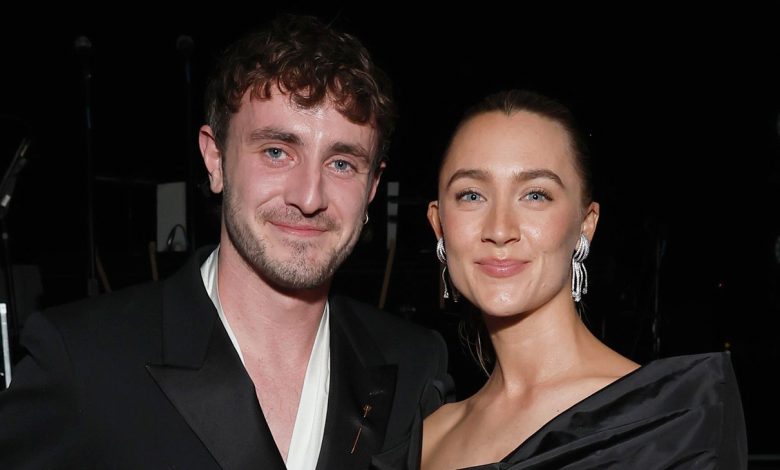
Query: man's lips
[[302, 230], [500, 267]]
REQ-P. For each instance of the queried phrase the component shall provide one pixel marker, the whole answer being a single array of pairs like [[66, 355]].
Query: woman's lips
[[501, 267]]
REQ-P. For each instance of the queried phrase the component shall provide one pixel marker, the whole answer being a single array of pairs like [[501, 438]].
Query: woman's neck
[[537, 346]]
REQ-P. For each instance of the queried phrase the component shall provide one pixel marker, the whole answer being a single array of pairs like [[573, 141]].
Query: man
[[241, 360]]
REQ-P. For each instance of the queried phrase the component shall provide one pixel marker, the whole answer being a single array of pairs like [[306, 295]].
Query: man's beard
[[299, 271]]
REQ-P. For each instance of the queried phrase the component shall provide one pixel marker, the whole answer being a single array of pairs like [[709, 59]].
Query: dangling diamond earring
[[579, 275], [441, 253], [446, 293]]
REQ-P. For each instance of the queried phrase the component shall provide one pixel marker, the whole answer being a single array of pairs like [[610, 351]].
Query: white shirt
[[312, 409]]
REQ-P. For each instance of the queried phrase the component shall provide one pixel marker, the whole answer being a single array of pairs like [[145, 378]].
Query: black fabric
[[677, 413], [147, 378]]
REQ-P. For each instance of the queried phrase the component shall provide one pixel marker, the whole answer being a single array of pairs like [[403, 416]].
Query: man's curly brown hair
[[310, 62]]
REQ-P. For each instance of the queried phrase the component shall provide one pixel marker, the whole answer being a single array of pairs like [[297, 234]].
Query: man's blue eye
[[275, 153], [342, 165]]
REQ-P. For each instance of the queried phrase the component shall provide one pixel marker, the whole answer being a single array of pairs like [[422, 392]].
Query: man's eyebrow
[[472, 173], [272, 133], [356, 150]]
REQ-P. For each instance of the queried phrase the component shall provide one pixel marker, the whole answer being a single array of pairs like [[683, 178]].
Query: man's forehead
[[260, 119], [289, 100]]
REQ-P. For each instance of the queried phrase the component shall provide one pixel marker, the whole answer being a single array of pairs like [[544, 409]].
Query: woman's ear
[[433, 218], [591, 220]]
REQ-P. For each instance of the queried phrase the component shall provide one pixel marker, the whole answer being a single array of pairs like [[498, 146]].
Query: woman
[[514, 219]]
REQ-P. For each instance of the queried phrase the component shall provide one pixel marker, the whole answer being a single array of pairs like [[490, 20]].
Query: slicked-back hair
[[310, 62], [513, 101]]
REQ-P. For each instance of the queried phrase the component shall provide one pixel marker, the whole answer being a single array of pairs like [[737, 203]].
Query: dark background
[[682, 110]]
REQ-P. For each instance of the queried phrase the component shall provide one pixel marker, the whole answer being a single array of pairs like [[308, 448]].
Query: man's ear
[[375, 177], [433, 218], [212, 158]]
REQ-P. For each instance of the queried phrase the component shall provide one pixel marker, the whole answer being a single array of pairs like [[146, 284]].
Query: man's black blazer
[[148, 378]]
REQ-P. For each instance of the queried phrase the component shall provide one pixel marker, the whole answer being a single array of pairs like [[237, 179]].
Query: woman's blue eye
[[537, 196], [469, 196]]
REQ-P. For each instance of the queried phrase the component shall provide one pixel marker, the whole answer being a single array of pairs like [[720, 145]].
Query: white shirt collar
[[310, 420]]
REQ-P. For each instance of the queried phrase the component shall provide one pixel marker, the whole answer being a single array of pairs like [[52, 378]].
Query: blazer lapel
[[202, 375], [362, 387]]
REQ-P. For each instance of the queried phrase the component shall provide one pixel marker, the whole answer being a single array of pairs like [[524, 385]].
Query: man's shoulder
[[419, 352], [126, 300], [372, 317], [129, 311], [387, 330], [131, 303]]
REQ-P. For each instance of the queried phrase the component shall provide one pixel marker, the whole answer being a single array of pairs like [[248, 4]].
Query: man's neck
[[267, 320]]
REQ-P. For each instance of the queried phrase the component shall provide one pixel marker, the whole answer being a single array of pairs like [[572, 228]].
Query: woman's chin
[[500, 304]]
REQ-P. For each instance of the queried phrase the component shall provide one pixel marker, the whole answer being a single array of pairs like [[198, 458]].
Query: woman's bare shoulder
[[442, 423], [445, 417]]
